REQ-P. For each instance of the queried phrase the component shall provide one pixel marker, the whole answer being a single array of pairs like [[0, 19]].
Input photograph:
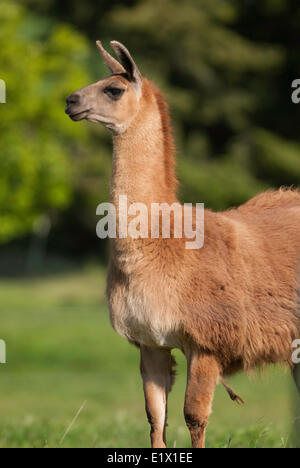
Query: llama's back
[[274, 216], [270, 200]]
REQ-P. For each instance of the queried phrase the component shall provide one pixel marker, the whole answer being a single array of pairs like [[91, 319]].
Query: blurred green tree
[[35, 173], [41, 62]]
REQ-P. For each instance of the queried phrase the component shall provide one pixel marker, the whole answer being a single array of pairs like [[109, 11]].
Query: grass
[[63, 356]]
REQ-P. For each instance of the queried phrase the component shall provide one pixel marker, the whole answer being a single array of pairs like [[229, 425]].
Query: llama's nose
[[73, 99]]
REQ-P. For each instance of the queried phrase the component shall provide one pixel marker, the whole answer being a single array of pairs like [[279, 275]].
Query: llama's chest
[[143, 311]]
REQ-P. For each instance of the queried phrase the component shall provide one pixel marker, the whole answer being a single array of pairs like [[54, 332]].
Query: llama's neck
[[143, 166]]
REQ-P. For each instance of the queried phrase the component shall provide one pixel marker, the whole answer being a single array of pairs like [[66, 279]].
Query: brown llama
[[228, 306]]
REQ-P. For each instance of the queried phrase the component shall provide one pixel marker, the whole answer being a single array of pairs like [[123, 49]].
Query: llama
[[229, 306]]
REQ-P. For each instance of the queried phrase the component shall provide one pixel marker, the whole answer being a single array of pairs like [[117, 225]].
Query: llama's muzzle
[[76, 109]]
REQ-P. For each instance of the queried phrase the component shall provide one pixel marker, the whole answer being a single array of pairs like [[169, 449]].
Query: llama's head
[[113, 101]]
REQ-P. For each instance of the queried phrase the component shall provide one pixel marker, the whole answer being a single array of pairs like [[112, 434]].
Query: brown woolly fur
[[228, 306], [169, 145]]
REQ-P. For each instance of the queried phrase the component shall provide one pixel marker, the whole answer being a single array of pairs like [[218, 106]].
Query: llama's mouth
[[77, 115]]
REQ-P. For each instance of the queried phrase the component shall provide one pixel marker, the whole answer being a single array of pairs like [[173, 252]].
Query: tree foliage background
[[226, 68]]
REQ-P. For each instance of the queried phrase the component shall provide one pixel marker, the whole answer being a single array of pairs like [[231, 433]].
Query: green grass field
[[62, 355]]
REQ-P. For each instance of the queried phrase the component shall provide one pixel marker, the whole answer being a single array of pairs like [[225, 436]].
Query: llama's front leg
[[157, 374], [203, 375]]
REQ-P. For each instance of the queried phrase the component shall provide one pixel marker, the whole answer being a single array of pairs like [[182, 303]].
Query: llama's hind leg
[[158, 375], [203, 375]]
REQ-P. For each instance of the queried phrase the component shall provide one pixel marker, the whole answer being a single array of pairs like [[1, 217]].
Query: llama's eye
[[114, 93]]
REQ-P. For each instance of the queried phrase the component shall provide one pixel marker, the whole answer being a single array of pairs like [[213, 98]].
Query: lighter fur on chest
[[144, 308]]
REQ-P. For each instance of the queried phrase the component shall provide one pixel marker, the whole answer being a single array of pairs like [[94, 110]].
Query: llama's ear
[[128, 63], [112, 63]]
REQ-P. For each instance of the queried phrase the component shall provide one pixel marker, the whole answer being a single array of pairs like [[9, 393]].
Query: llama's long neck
[[143, 165]]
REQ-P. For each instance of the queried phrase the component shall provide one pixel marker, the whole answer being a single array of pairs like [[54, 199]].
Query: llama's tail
[[231, 393]]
